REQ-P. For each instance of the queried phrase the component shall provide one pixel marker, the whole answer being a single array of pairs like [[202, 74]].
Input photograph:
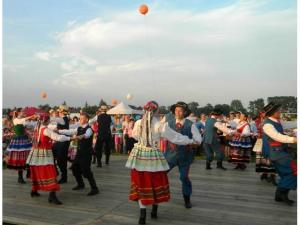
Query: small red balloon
[[143, 9], [44, 95]]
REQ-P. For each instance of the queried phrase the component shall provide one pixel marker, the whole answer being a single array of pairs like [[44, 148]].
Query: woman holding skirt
[[149, 180], [41, 162]]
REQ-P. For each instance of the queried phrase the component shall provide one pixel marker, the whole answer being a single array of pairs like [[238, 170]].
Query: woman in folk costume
[[149, 181], [19, 147], [241, 144], [41, 162], [263, 162], [276, 141]]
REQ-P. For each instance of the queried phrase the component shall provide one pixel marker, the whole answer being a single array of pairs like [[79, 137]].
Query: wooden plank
[[219, 197]]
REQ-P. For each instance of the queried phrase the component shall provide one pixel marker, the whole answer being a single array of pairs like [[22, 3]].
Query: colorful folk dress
[[149, 180], [19, 147], [41, 162], [241, 144]]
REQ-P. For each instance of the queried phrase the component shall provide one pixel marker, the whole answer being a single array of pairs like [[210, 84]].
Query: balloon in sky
[[114, 101], [129, 97], [44, 95], [143, 9]]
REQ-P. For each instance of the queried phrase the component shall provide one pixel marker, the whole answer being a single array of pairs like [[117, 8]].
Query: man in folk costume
[[277, 141], [82, 162], [61, 148], [149, 180], [211, 142], [263, 162], [104, 134], [182, 155], [19, 146], [40, 160]]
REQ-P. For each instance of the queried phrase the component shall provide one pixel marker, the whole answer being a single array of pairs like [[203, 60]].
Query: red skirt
[[17, 159], [149, 187], [44, 178]]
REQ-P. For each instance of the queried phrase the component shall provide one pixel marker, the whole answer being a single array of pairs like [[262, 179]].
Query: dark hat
[[216, 111], [183, 105], [267, 107], [272, 109]]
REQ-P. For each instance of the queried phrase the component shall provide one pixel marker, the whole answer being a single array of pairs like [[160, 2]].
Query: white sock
[[141, 205]]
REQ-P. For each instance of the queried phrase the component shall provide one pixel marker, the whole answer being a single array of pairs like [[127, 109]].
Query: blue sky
[[209, 51]]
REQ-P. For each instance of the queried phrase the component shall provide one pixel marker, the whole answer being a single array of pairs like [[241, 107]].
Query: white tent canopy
[[122, 108]]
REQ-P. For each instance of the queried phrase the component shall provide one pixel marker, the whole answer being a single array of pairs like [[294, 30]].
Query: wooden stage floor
[[219, 197]]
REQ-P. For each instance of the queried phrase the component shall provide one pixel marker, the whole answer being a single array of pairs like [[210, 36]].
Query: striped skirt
[[149, 187], [42, 170], [239, 155], [148, 159], [18, 150]]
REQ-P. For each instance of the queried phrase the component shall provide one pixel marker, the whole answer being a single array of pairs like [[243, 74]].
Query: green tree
[[256, 106], [45, 107], [102, 102], [288, 103], [236, 105], [193, 106], [206, 109], [225, 108]]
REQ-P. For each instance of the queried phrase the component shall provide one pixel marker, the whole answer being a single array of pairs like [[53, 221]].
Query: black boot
[[243, 166], [220, 165], [187, 202], [208, 165], [99, 164], [281, 195], [142, 219], [272, 179], [63, 180], [20, 177], [53, 199], [94, 159], [78, 187], [237, 167], [107, 160], [28, 173], [154, 212], [94, 191], [264, 176], [94, 188], [34, 194]]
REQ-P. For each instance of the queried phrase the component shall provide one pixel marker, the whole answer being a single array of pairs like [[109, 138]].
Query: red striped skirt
[[149, 187], [17, 159], [44, 178]]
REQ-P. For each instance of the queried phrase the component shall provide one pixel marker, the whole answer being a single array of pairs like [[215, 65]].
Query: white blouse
[[246, 131], [54, 136], [160, 130]]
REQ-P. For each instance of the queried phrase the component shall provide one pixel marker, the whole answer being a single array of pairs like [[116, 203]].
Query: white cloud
[[223, 44], [71, 23], [45, 56]]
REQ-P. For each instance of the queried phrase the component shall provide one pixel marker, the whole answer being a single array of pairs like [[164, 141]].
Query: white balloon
[[129, 97]]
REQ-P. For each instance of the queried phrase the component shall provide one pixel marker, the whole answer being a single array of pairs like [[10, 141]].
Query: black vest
[[65, 126], [85, 146], [104, 122]]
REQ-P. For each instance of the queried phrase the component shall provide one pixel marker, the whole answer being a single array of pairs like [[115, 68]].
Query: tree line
[[289, 104]]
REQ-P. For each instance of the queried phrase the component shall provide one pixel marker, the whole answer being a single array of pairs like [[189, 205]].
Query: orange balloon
[[143, 9], [44, 95], [114, 102]]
